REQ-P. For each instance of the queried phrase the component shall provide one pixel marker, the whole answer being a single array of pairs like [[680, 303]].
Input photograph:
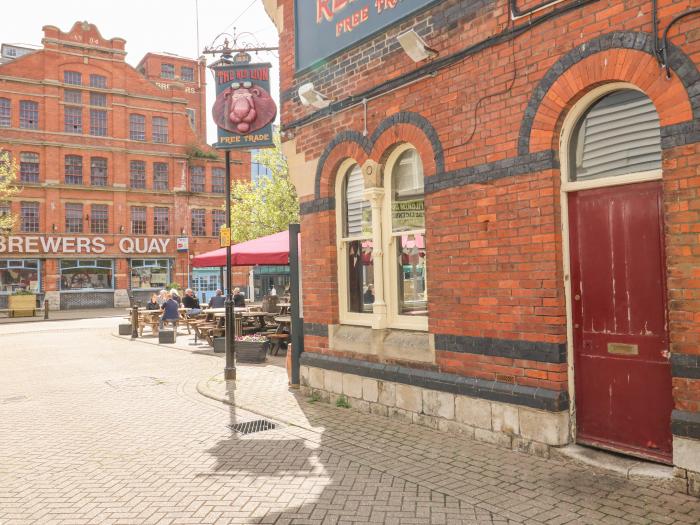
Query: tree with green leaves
[[267, 206], [8, 188]]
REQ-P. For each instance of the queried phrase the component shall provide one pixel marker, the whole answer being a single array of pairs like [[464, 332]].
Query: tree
[[8, 188], [268, 206]]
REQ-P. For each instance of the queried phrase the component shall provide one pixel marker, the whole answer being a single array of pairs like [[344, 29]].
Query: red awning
[[272, 249]]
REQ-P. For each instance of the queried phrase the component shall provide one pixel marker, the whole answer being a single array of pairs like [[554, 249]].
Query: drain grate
[[251, 427]]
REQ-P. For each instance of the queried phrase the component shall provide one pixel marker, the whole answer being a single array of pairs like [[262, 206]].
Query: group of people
[[169, 302]]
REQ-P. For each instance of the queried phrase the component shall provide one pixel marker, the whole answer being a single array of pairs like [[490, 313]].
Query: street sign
[[244, 110], [225, 237]]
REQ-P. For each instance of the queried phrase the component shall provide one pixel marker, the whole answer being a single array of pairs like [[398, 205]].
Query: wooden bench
[[277, 340]]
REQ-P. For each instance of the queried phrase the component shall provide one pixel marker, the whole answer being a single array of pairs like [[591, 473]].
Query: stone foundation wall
[[517, 427]]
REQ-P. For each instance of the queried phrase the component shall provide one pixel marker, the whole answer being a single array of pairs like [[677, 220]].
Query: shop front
[[148, 276], [19, 275], [86, 283]]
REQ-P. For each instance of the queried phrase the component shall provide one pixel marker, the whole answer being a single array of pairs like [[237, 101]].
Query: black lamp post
[[230, 367]]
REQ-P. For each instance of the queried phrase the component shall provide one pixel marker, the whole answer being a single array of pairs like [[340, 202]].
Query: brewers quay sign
[[326, 27], [77, 245]]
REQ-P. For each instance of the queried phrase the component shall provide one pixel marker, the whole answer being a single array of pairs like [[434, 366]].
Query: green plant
[[170, 286], [23, 292], [195, 152], [342, 402], [315, 397]]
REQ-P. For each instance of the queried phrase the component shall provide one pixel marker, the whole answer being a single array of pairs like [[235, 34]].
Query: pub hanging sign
[[326, 27], [244, 110]]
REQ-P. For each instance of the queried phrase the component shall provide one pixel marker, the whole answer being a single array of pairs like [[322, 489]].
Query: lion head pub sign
[[244, 110]]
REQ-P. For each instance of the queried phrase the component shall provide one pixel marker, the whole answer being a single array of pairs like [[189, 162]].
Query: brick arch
[[346, 144], [614, 57]]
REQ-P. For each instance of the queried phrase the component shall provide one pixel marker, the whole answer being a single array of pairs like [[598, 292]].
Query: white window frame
[[394, 318]]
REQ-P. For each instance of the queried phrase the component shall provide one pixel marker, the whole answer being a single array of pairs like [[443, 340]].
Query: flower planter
[[22, 305], [251, 352]]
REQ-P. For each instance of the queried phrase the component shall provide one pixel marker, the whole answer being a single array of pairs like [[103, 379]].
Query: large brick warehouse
[[500, 223], [114, 170]]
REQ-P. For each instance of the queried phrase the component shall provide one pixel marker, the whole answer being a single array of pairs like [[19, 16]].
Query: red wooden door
[[618, 285]]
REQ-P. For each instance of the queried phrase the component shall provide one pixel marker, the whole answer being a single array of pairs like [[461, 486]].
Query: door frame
[[568, 127]]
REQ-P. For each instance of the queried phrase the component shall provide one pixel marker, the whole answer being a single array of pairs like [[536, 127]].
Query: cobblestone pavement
[[98, 429]]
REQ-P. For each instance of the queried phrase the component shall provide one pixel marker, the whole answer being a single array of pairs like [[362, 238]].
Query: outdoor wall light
[[414, 46], [310, 97], [53, 228]]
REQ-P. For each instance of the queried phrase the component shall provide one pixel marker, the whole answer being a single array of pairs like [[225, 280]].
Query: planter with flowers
[[252, 348]]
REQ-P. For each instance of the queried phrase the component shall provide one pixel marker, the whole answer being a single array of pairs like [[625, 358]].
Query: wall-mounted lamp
[[182, 231], [415, 47], [121, 229], [310, 97], [87, 218], [54, 228]]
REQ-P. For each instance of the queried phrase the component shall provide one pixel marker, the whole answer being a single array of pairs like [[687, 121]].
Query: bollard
[[134, 322], [46, 308]]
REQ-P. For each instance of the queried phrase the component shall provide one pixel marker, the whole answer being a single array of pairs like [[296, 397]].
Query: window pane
[[160, 130], [98, 123], [72, 77], [358, 213], [160, 176], [98, 171], [161, 221], [86, 275], [218, 219], [5, 208], [137, 127], [28, 114], [5, 113], [22, 276], [186, 74], [407, 203], [218, 180], [98, 99], [72, 96], [199, 222], [98, 81], [28, 167], [149, 274], [138, 220], [620, 134], [137, 174], [360, 276], [190, 117], [99, 218], [411, 257], [197, 178], [74, 218], [167, 71], [74, 169], [29, 217], [72, 119]]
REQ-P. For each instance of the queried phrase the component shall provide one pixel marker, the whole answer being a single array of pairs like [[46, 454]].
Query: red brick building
[[500, 235], [114, 169]]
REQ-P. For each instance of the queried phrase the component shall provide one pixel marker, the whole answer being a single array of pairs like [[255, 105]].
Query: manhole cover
[[134, 382], [250, 427]]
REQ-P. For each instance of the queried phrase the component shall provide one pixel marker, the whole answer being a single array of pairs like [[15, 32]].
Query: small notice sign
[[225, 237]]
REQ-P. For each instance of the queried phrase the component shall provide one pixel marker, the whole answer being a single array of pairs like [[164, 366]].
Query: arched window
[[355, 246], [618, 135], [407, 235]]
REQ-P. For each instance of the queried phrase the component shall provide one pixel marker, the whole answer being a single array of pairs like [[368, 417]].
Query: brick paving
[[98, 429]]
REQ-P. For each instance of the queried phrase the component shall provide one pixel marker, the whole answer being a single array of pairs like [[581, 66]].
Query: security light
[[310, 97], [415, 47]]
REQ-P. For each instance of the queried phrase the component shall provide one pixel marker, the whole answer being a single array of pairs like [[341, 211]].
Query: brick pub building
[[114, 169], [500, 238]]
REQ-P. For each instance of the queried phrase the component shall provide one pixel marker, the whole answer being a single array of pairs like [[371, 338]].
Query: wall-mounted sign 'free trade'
[[244, 110]]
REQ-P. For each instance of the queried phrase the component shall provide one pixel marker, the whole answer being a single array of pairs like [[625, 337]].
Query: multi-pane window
[[161, 221], [98, 81], [218, 180], [99, 218], [197, 178], [199, 222], [29, 217], [28, 114], [159, 130], [74, 169], [98, 122], [160, 176], [28, 167], [98, 99], [72, 119], [218, 219], [72, 77], [167, 71], [74, 217], [186, 74], [137, 174], [5, 209], [5, 113], [137, 127], [138, 220], [98, 171], [72, 96]]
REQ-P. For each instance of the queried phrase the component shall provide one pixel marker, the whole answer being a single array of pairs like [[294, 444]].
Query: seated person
[[368, 297], [153, 303], [191, 302], [170, 311], [176, 296], [218, 301], [238, 298]]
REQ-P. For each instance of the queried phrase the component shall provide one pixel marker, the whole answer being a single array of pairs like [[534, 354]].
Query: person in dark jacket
[[218, 301], [191, 302], [153, 303], [170, 311], [238, 298]]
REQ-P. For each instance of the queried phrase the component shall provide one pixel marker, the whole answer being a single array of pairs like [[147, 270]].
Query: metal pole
[[46, 308], [134, 322], [297, 335], [230, 369]]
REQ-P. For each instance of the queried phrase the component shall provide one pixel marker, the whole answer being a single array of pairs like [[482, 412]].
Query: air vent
[[251, 427]]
